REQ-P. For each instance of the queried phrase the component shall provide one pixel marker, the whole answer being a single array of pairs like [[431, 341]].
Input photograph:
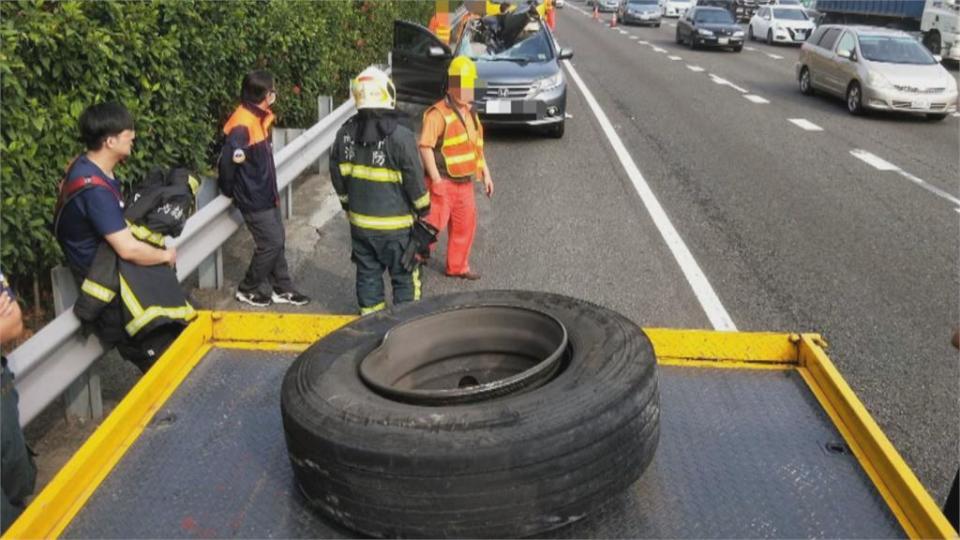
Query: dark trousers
[[18, 474], [268, 268], [378, 253]]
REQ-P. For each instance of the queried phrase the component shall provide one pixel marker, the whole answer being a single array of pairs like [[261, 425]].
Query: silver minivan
[[876, 68]]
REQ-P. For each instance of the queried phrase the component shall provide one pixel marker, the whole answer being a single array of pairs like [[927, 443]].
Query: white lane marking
[[749, 48], [659, 50], [774, 56], [675, 58], [956, 115], [624, 32], [874, 161], [696, 69], [883, 165], [805, 124], [698, 281], [633, 37], [642, 42], [723, 82], [756, 99]]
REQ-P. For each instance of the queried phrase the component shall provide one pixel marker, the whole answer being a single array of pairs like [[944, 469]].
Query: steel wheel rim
[[853, 99]]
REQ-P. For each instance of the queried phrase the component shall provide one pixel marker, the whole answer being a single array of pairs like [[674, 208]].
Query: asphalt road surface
[[762, 210]]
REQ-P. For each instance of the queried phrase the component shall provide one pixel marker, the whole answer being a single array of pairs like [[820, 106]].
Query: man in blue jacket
[[248, 175]]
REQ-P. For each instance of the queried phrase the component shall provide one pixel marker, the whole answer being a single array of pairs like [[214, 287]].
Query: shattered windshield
[[531, 44]]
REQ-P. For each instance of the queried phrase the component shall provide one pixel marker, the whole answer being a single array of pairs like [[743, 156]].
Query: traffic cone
[[613, 21], [596, 13]]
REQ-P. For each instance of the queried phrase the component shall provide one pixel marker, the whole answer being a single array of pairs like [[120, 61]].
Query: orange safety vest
[[257, 129], [460, 156]]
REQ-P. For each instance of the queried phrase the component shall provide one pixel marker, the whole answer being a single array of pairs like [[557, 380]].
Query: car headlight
[[880, 82], [738, 33], [703, 32], [550, 83]]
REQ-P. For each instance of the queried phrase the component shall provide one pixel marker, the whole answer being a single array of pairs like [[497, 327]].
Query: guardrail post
[[82, 400], [281, 137], [324, 107], [210, 272]]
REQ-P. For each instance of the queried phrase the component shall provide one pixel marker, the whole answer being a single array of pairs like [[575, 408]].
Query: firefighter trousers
[[453, 205], [374, 254]]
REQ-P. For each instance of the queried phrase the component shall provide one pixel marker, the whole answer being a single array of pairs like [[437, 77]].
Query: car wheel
[[769, 37], [855, 98], [750, 35], [556, 130], [936, 117], [383, 439], [806, 86]]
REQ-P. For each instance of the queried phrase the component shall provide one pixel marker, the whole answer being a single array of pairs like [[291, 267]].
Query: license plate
[[723, 41], [801, 35], [498, 106], [920, 104]]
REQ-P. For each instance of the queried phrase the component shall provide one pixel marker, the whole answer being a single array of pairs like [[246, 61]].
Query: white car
[[559, 3], [781, 24], [675, 8]]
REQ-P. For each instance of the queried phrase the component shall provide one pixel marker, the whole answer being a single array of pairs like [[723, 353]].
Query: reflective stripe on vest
[[380, 223], [461, 157], [373, 174], [142, 317], [97, 291]]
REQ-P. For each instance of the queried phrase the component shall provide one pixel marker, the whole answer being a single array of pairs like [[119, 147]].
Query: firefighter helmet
[[373, 89]]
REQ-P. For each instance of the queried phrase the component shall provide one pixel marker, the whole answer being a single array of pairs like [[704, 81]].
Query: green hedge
[[177, 65]]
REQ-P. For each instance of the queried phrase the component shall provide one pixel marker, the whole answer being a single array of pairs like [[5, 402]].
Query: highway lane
[[794, 232]]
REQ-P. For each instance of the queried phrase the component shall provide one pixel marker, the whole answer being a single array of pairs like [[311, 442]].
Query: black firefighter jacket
[[121, 299]]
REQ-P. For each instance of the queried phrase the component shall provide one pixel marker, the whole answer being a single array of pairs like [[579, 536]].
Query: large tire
[[513, 466]]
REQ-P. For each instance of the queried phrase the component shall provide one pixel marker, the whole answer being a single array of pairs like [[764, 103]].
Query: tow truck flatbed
[[760, 437]]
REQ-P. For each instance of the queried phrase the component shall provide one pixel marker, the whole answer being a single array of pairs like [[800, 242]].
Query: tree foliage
[[177, 65]]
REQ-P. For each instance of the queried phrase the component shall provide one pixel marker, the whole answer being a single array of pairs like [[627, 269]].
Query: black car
[[523, 83], [710, 27]]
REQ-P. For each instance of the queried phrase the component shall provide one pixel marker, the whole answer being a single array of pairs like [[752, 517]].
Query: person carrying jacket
[[248, 175], [378, 177], [451, 148]]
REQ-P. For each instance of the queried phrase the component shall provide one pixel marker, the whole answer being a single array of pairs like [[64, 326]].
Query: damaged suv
[[518, 64]]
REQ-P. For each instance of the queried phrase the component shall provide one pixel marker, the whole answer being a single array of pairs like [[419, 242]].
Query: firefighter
[[451, 148], [377, 175]]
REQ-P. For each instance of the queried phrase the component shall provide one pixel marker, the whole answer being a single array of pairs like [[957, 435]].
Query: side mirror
[[845, 54], [938, 58], [565, 54], [437, 52]]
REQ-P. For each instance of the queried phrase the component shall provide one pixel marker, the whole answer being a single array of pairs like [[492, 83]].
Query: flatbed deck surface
[[743, 453]]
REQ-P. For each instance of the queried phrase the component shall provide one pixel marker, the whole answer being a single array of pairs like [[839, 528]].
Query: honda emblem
[[503, 92]]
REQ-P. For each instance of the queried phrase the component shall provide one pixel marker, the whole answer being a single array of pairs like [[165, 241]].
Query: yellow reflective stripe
[[450, 118], [462, 138], [416, 282], [380, 223], [129, 299], [142, 233], [422, 202], [481, 163], [97, 291], [194, 184], [480, 142], [373, 174], [184, 313], [373, 309], [463, 158]]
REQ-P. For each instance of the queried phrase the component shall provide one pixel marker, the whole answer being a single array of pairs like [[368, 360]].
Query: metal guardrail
[[58, 354]]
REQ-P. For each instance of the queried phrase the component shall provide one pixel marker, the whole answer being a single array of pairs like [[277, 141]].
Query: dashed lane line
[[675, 57], [756, 99], [883, 165], [723, 82], [750, 48], [774, 56], [695, 69], [659, 50], [804, 124], [716, 313], [633, 37], [642, 42]]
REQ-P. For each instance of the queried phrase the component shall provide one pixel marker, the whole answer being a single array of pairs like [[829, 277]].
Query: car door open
[[419, 61]]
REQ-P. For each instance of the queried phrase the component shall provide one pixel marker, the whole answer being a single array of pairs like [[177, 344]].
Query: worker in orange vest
[[451, 148]]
